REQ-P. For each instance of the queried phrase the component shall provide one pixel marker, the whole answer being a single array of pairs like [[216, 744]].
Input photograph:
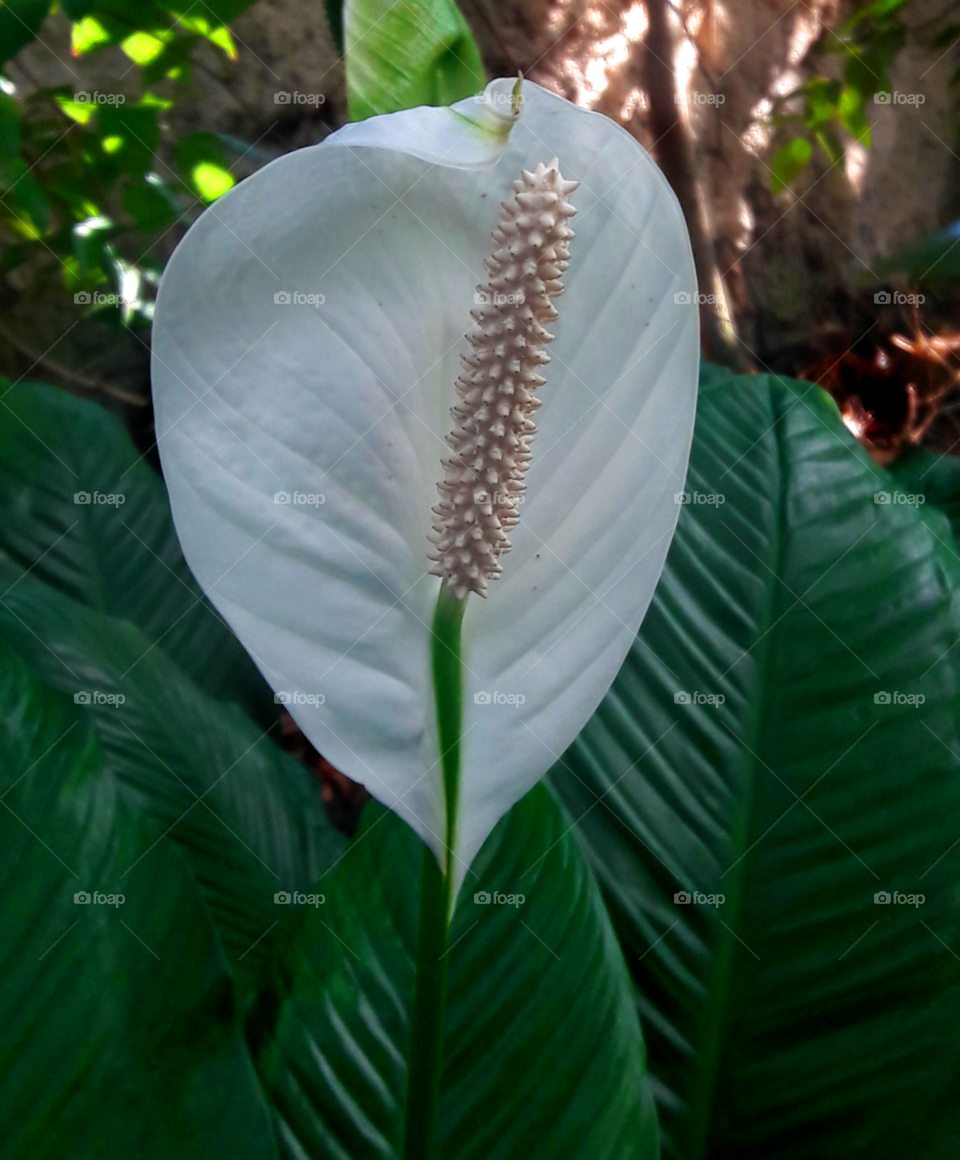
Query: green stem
[[436, 894]]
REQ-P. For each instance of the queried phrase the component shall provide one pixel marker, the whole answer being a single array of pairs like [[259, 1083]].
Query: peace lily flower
[[317, 376]]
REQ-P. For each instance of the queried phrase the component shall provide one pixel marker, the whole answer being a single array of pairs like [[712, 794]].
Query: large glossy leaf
[[119, 1035], [412, 52], [249, 819], [798, 1016], [542, 1052], [80, 508], [934, 477]]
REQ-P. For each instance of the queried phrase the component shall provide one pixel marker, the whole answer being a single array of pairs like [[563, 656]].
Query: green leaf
[[130, 135], [413, 52], [144, 47], [20, 22], [90, 33], [821, 97], [24, 198], [79, 111], [543, 1055], [119, 1033], [150, 203], [202, 161], [89, 241], [936, 478], [851, 115], [797, 1018], [788, 163], [119, 556], [249, 819]]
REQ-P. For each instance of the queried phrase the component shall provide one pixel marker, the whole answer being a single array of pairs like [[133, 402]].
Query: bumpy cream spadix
[[483, 480]]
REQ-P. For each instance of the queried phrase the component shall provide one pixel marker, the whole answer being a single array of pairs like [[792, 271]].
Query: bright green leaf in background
[[412, 52], [798, 1017], [202, 161], [789, 162]]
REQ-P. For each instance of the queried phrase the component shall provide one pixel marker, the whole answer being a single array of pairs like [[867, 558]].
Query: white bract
[[308, 337]]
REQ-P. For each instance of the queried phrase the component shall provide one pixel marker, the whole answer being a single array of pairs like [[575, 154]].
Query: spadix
[[314, 379]]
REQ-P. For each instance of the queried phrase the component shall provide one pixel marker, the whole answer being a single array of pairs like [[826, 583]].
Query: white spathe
[[307, 339]]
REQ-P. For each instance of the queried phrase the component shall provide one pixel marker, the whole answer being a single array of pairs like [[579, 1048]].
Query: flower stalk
[[436, 891]]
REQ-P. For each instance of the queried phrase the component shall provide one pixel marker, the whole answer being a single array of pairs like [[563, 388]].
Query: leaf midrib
[[705, 1091]]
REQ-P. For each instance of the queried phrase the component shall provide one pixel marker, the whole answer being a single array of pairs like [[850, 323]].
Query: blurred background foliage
[[808, 192], [825, 224]]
